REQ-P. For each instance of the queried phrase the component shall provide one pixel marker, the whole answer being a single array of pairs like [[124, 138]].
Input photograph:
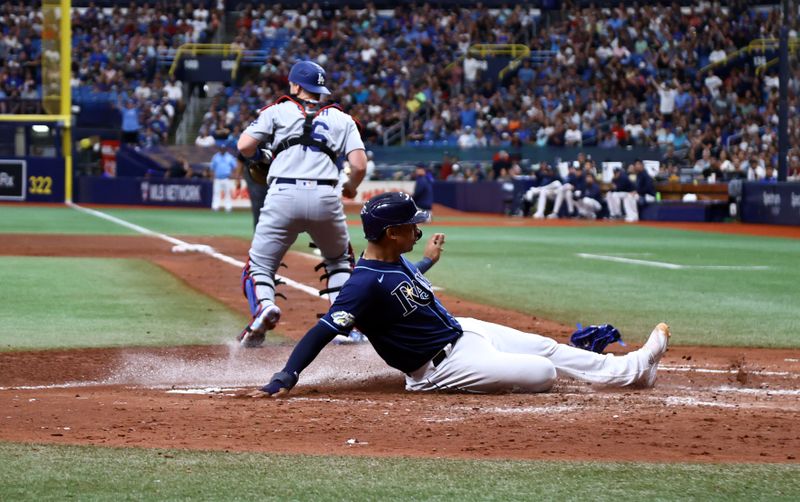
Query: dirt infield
[[710, 404]]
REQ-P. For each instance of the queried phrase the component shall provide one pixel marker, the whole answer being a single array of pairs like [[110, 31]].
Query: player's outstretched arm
[[433, 251], [306, 350]]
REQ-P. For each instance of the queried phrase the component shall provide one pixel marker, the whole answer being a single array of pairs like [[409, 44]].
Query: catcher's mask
[[310, 76], [389, 210]]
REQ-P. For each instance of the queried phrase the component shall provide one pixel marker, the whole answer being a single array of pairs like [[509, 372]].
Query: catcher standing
[[303, 140], [393, 304]]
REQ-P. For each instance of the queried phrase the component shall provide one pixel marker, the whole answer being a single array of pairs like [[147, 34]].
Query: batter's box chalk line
[[193, 248]]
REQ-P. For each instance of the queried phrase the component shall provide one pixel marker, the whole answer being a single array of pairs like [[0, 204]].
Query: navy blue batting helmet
[[389, 210], [310, 76]]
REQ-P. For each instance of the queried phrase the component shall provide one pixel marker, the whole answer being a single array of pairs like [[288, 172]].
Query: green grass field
[[92, 302], [60, 472], [537, 270], [78, 302]]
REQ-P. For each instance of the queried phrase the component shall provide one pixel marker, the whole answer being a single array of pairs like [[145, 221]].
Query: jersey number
[[317, 136]]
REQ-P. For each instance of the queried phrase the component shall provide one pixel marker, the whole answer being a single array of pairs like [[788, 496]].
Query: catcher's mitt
[[258, 166], [596, 338]]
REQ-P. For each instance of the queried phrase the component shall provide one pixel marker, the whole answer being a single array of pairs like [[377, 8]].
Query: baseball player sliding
[[304, 140], [393, 304]]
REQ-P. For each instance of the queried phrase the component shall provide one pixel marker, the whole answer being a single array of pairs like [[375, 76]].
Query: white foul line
[[667, 265], [199, 248]]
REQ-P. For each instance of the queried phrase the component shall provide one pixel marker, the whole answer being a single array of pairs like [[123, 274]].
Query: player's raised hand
[[434, 247]]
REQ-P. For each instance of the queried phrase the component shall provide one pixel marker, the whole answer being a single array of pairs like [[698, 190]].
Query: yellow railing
[[757, 45], [516, 51], [207, 49]]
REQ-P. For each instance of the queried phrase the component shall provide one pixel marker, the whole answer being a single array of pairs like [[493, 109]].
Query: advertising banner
[[13, 179], [142, 191], [775, 203], [32, 179]]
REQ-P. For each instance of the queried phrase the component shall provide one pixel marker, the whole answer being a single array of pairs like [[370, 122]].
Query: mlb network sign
[[13, 178], [171, 192]]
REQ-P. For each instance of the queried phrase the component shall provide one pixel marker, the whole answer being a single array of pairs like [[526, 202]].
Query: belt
[[294, 181], [442, 354]]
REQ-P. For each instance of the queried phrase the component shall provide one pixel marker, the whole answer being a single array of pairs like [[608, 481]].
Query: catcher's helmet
[[389, 210], [310, 76]]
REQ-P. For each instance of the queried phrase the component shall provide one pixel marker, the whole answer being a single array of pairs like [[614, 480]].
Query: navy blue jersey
[[394, 305], [622, 184], [423, 193], [543, 179], [578, 181], [593, 192], [644, 184]]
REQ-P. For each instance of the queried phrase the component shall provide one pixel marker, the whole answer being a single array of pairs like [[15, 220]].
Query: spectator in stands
[[756, 168], [703, 163], [130, 122], [370, 166], [573, 136], [667, 92], [794, 168], [770, 175], [467, 139], [458, 174], [223, 166], [149, 139], [205, 139], [423, 189], [472, 68], [179, 169]]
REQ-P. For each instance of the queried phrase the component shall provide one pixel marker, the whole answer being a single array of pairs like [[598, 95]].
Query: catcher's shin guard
[[258, 288], [337, 272]]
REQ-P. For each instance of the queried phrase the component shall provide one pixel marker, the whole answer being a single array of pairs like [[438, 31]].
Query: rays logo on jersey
[[343, 319], [413, 294]]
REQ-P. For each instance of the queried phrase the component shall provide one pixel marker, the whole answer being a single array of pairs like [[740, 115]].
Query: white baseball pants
[[564, 194], [588, 207], [494, 358], [545, 193], [223, 194], [616, 200]]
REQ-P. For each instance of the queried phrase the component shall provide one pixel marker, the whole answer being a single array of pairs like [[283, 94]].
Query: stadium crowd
[[610, 78], [601, 77], [114, 56]]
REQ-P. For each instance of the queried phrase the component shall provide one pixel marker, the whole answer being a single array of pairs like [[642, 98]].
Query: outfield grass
[[537, 270], [36, 472], [87, 302], [54, 220]]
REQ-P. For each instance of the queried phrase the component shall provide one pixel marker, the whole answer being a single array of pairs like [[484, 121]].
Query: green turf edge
[[105, 302], [51, 472]]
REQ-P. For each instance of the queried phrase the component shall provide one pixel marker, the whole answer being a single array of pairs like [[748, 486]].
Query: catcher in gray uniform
[[294, 145]]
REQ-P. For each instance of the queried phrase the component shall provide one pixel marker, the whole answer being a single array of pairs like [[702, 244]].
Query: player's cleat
[[552, 216], [353, 338], [654, 347], [253, 334]]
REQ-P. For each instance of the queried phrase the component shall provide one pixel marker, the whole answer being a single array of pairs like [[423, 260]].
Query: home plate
[[205, 391]]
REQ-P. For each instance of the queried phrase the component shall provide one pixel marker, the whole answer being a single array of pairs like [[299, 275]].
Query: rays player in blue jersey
[[388, 298]]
